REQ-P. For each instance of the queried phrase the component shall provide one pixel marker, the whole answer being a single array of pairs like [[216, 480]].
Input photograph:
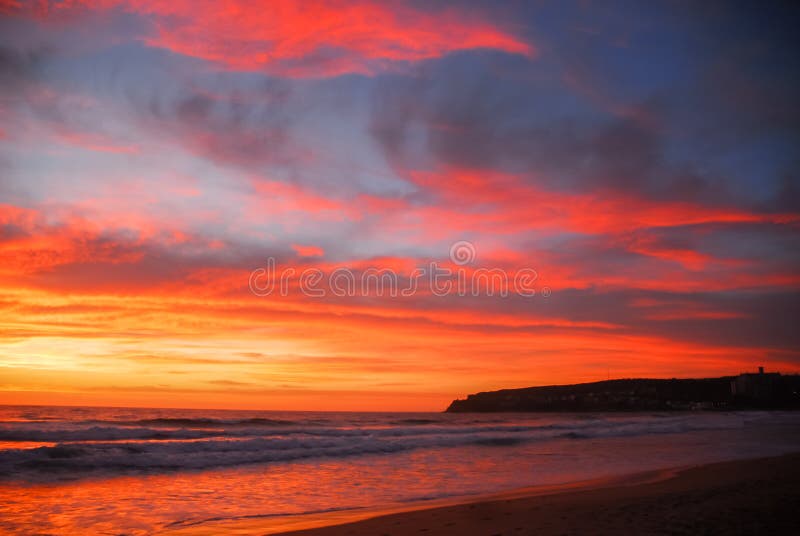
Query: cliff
[[765, 391]]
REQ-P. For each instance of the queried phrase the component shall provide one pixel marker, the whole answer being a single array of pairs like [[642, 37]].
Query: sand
[[740, 497]]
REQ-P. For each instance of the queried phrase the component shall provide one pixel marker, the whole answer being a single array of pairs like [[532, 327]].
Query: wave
[[416, 421], [118, 450], [99, 433], [81, 459], [170, 422], [116, 433], [208, 422], [70, 432]]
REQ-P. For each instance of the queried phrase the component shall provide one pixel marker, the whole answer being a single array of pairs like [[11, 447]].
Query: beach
[[757, 496]]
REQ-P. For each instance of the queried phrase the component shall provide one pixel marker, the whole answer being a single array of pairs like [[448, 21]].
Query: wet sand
[[740, 497]]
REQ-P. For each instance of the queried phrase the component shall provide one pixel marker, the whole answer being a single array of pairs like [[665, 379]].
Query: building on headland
[[760, 387]]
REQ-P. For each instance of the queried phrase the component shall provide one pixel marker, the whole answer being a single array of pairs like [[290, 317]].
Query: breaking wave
[[79, 449]]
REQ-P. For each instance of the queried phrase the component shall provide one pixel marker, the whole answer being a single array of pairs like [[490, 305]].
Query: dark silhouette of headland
[[759, 390]]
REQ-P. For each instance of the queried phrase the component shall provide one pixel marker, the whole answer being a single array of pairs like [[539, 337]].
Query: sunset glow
[[154, 154]]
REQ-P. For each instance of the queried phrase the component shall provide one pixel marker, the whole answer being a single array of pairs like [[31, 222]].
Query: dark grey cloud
[[711, 120], [20, 67], [469, 115], [248, 130]]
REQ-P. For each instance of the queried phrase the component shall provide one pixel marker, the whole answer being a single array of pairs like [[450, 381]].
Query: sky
[[636, 161]]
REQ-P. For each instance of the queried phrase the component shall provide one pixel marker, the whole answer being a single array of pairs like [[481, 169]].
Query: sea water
[[67, 470]]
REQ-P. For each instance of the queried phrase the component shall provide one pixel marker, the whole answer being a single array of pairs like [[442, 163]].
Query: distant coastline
[[761, 390]]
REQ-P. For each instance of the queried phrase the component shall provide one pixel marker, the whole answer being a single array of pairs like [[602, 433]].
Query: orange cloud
[[184, 346], [89, 313]]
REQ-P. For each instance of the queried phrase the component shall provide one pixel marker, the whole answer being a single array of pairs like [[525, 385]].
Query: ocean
[[68, 470]]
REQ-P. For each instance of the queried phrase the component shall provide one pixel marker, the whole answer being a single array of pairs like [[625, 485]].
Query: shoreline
[[620, 501]]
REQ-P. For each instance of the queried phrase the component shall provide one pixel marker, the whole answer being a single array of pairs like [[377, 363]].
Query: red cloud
[[33, 244], [95, 142], [308, 251], [313, 38], [471, 199]]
